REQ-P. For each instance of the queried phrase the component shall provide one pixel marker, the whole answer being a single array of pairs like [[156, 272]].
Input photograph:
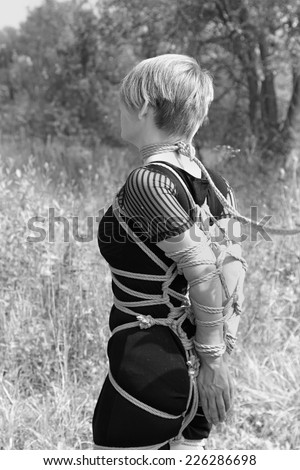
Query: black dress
[[149, 364]]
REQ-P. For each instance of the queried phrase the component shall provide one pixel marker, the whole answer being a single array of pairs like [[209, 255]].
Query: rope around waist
[[174, 322]]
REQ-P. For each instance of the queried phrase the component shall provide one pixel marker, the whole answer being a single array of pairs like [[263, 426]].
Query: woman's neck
[[153, 136], [178, 160]]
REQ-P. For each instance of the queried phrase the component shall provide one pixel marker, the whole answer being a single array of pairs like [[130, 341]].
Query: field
[[55, 298]]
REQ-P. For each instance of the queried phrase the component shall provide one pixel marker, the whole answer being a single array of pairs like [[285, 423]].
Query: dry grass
[[55, 298]]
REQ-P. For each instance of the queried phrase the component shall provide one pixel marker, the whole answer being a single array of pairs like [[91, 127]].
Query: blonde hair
[[176, 87]]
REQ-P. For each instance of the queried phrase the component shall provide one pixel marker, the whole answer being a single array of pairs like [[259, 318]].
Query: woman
[[170, 297]]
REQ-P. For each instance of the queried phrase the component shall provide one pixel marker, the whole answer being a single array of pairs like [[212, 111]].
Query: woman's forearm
[[207, 294], [205, 285], [197, 260]]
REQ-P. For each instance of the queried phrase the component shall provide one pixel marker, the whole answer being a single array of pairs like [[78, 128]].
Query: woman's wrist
[[211, 362]]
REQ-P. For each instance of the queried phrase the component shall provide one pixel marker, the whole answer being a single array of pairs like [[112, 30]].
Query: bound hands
[[215, 388]]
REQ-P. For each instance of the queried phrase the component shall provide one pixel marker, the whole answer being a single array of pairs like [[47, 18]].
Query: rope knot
[[193, 366], [145, 321], [186, 149]]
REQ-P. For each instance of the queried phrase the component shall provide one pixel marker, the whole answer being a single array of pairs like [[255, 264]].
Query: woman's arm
[[150, 197], [215, 386], [234, 273]]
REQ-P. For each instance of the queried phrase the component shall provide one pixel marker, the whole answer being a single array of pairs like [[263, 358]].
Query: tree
[[263, 36], [244, 43], [63, 90], [62, 70]]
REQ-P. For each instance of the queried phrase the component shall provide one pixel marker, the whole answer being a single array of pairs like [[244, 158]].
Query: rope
[[230, 342], [177, 315], [133, 292], [138, 403], [192, 256], [189, 151], [215, 350], [118, 214], [139, 276]]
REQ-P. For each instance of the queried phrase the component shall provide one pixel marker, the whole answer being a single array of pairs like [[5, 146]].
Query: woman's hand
[[215, 388]]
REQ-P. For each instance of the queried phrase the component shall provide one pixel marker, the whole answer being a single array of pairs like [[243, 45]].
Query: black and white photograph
[[150, 228]]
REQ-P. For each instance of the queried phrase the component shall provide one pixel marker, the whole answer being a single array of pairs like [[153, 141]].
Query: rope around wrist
[[211, 350]]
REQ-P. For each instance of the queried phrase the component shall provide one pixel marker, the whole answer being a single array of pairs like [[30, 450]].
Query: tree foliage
[[59, 74]]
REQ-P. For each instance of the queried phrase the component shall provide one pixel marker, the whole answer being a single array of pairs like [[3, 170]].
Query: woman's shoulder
[[147, 178]]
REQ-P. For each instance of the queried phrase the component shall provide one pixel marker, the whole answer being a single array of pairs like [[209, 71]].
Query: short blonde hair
[[176, 87]]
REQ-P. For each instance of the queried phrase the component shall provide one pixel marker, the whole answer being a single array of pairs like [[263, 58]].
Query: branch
[[293, 112], [188, 20]]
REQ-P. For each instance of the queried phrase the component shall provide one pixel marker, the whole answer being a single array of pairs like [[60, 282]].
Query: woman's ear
[[144, 111]]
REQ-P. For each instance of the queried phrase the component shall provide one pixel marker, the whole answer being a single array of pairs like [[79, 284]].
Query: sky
[[13, 12]]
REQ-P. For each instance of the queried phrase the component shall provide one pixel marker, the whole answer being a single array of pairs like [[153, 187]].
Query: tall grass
[[55, 299]]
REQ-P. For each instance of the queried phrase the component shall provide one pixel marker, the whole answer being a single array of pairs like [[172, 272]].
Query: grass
[[55, 299]]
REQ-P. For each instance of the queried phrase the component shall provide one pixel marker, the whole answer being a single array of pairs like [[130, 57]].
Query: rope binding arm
[[176, 316], [222, 249]]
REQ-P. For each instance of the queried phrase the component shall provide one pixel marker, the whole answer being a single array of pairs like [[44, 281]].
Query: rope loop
[[215, 350]]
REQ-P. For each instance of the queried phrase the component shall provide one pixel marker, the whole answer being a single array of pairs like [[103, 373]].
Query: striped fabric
[[149, 198]]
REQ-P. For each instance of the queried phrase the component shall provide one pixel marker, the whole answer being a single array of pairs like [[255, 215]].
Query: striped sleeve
[[149, 200]]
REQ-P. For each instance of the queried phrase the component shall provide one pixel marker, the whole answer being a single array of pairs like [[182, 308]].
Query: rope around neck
[[181, 147], [188, 150]]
